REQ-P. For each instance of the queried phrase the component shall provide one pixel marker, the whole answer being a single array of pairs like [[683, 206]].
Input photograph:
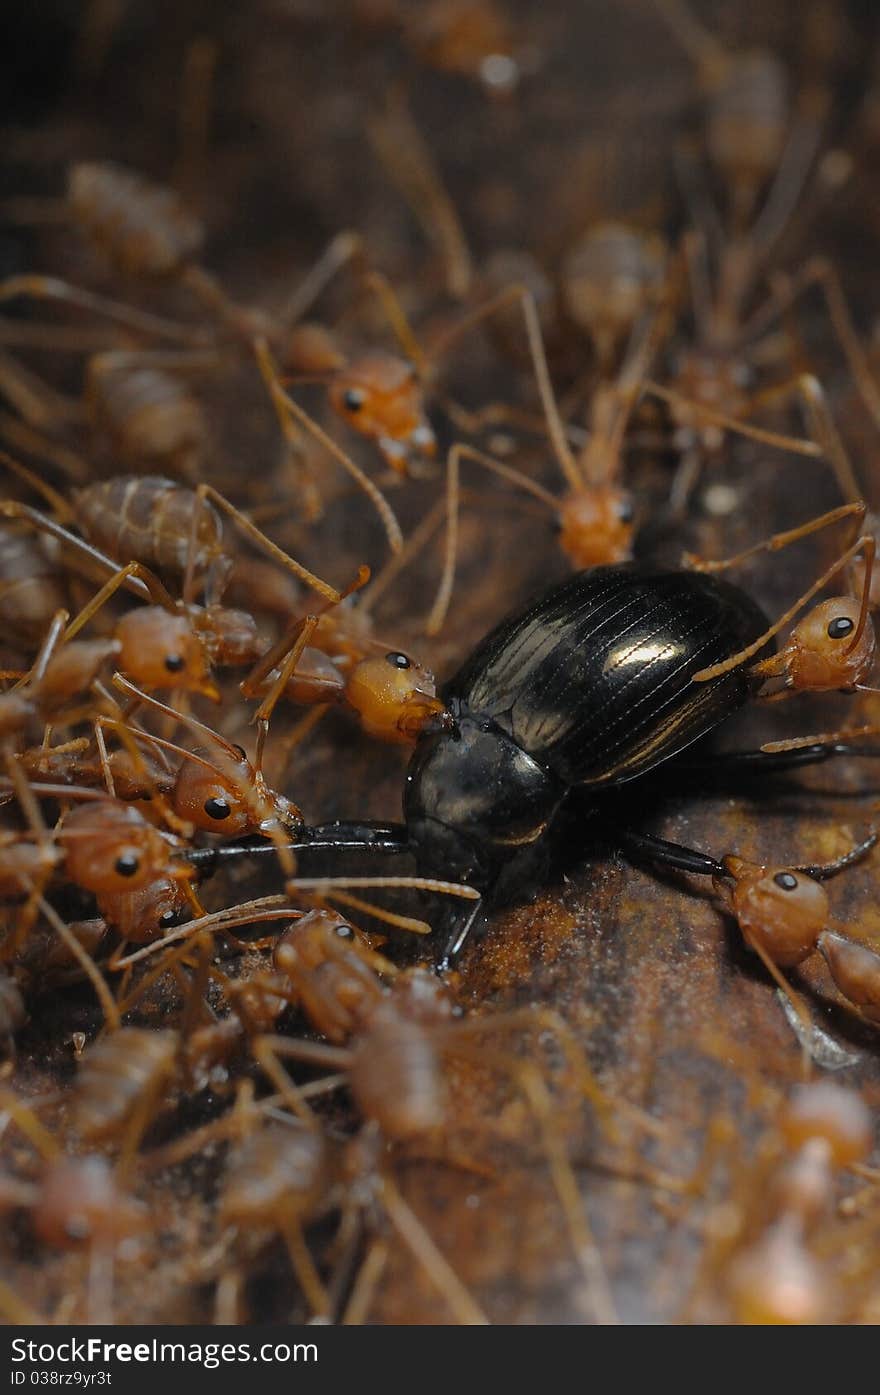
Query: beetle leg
[[456, 942], [646, 846], [771, 761]]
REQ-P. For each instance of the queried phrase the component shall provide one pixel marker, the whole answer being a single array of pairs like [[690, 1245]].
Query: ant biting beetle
[[600, 680]]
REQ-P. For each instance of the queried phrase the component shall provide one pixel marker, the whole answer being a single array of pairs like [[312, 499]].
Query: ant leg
[[156, 593], [12, 508], [40, 486], [806, 389], [555, 425], [51, 640], [287, 408], [293, 641], [459, 452], [49, 857], [365, 1285], [39, 404], [105, 997], [23, 1116], [259, 539], [51, 288], [530, 1081], [345, 247], [795, 444], [194, 110], [263, 714], [705, 51], [417, 540], [820, 272], [716, 670], [304, 1268], [408, 161], [420, 1245], [29, 441], [268, 1050], [777, 541]]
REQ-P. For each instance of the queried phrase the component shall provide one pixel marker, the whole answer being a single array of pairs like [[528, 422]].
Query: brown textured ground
[[673, 1014]]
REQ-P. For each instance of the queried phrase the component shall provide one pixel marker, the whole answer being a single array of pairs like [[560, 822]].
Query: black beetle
[[587, 687]]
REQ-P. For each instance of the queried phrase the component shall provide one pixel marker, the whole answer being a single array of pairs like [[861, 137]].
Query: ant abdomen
[[149, 518], [395, 1075], [119, 1075], [80, 1203], [30, 591], [147, 414], [142, 227], [275, 1173]]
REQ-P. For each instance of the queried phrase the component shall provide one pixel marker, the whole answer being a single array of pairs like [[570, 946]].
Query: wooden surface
[[682, 1028]]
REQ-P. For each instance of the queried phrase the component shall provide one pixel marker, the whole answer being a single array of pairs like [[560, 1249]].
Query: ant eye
[[217, 809], [127, 865], [398, 660], [354, 399], [625, 511], [174, 662], [786, 880], [840, 627]]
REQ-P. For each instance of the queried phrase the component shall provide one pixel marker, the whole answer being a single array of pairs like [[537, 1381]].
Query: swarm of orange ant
[[254, 1085]]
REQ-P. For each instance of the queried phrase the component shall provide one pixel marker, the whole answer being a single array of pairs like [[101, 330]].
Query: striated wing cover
[[593, 678]]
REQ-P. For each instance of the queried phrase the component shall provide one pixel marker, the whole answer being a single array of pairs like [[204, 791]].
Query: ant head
[[213, 799], [826, 652], [146, 913], [161, 650], [110, 847], [80, 1203], [394, 697], [230, 799], [380, 396], [780, 910], [597, 525], [834, 1114]]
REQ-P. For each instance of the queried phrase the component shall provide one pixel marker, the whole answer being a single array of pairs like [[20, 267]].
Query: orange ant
[[596, 515], [753, 142], [332, 657], [168, 643], [834, 647], [784, 916], [776, 1278], [145, 229], [76, 1203]]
